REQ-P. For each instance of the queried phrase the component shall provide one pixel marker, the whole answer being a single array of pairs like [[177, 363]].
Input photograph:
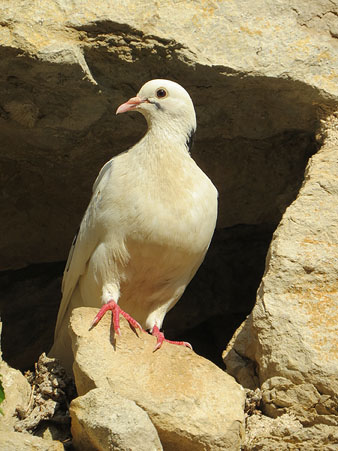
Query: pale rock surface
[[18, 402], [47, 415], [17, 395], [15, 441], [291, 336], [103, 420], [256, 71], [240, 367], [192, 403], [259, 73], [286, 433]]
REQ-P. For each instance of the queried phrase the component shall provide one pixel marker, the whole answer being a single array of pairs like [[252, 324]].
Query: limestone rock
[[286, 433], [292, 332], [17, 395], [52, 391], [240, 367], [18, 402], [257, 80], [192, 403], [258, 74], [103, 420], [14, 441]]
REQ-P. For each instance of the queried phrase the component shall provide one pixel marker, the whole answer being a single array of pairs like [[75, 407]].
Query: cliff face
[[257, 75], [263, 78]]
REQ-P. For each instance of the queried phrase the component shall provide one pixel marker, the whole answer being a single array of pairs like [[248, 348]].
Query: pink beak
[[130, 105]]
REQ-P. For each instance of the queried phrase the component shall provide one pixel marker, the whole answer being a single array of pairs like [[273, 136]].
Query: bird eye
[[160, 93]]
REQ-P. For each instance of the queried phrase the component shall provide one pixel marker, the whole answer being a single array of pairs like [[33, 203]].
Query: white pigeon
[[148, 224]]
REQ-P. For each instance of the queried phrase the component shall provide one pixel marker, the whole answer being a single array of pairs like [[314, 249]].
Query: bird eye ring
[[161, 93]]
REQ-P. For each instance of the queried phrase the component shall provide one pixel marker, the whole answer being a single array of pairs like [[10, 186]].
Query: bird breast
[[164, 201]]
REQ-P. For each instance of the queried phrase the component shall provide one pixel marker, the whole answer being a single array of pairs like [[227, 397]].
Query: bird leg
[[116, 312], [160, 339]]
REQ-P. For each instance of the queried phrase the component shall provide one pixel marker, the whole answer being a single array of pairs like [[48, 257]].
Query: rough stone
[[258, 73], [17, 395], [193, 404], [286, 433], [240, 367], [292, 333], [14, 441], [52, 391], [257, 81], [261, 75], [18, 403], [103, 420]]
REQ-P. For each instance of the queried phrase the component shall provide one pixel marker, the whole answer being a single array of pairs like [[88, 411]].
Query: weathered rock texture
[[291, 336], [103, 420], [17, 396], [193, 404], [20, 402], [46, 414], [14, 441], [286, 433], [258, 73], [261, 75], [256, 80]]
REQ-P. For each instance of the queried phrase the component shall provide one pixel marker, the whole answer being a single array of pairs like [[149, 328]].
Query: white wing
[[83, 246]]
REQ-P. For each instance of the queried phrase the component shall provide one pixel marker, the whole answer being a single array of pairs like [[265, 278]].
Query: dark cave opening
[[223, 292], [254, 138], [214, 304]]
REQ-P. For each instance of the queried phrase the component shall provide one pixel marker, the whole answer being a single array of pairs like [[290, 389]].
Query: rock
[[257, 82], [18, 403], [259, 76], [103, 420], [286, 433], [239, 366], [17, 395], [291, 336], [192, 403], [52, 391], [14, 441]]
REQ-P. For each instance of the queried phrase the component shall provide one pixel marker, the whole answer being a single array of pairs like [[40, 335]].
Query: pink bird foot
[[160, 339], [116, 312]]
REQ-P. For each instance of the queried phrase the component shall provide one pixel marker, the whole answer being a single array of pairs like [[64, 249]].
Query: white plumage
[[148, 224]]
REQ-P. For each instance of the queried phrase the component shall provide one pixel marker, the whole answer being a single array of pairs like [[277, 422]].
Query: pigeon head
[[165, 105]]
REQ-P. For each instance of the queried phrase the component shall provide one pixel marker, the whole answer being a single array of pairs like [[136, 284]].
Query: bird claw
[[100, 314], [130, 320], [116, 312], [160, 339]]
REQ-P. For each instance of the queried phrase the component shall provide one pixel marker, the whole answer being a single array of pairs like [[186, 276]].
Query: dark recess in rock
[[29, 304], [254, 138]]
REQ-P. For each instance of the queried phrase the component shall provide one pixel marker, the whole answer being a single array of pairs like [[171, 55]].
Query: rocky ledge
[[263, 78]]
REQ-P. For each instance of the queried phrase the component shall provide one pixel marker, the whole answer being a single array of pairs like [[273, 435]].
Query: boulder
[[259, 74], [14, 441], [243, 369], [286, 433], [257, 80], [17, 396], [262, 75], [103, 420], [193, 404], [291, 336], [18, 403]]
